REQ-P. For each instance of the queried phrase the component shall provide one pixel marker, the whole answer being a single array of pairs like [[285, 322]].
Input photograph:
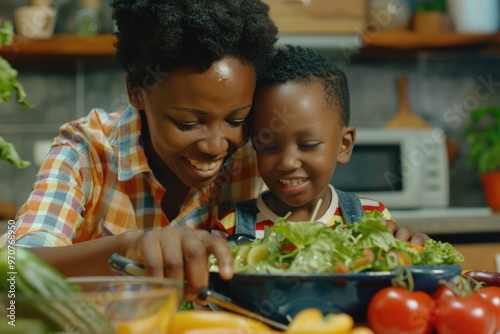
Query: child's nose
[[289, 161]]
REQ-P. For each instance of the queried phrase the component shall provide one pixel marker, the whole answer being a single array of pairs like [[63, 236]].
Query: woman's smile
[[204, 169]]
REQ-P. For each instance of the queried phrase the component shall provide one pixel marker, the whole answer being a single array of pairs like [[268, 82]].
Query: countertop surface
[[458, 220]]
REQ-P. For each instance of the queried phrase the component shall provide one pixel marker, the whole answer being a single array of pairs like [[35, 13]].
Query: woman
[[146, 182]]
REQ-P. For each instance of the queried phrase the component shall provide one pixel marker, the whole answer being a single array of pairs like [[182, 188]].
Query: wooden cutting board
[[405, 118]]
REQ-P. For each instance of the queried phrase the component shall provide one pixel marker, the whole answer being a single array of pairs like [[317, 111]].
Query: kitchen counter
[[475, 232], [456, 225], [449, 220]]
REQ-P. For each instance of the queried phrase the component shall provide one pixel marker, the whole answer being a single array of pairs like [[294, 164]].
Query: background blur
[[438, 81]]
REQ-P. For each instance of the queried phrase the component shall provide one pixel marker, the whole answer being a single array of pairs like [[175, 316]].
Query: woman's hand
[[407, 234], [180, 253]]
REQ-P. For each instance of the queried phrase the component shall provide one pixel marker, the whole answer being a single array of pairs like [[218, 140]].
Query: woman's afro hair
[[303, 65], [162, 35]]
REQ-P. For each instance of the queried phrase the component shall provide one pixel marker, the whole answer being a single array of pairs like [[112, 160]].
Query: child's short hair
[[303, 65], [161, 35]]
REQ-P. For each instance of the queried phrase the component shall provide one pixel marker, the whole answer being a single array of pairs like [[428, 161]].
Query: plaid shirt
[[96, 182]]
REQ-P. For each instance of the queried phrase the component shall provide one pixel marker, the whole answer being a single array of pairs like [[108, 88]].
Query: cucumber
[[35, 277]]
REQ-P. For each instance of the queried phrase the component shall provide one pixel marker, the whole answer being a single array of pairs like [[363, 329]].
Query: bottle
[[87, 18]]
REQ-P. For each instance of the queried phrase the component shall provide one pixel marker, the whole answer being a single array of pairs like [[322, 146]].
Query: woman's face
[[299, 139], [196, 119]]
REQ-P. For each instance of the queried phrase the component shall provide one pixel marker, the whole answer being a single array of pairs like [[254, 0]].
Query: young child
[[300, 131]]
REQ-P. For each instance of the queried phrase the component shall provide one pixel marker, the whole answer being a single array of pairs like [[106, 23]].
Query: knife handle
[[125, 266]]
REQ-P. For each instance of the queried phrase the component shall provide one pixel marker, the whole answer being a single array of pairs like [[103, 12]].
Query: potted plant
[[8, 86], [431, 16], [483, 134]]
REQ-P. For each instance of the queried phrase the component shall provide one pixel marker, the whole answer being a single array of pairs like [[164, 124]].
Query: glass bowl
[[101, 304]]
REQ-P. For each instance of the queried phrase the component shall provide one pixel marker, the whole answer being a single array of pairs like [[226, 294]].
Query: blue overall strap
[[350, 206], [246, 214]]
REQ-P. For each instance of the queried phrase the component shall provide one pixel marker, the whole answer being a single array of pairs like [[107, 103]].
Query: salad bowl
[[281, 296], [337, 270]]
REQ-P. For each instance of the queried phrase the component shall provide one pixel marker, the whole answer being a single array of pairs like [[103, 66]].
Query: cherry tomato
[[491, 294], [465, 315], [397, 310], [443, 294]]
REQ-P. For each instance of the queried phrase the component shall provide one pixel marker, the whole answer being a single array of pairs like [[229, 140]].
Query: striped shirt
[[265, 217], [96, 182]]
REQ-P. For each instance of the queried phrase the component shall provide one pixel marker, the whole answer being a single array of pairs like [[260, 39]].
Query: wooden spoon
[[405, 118]]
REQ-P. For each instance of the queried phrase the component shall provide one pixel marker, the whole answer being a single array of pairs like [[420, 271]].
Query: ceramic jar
[[475, 17], [35, 21]]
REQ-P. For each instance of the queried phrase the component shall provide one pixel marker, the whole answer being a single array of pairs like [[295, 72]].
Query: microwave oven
[[404, 169]]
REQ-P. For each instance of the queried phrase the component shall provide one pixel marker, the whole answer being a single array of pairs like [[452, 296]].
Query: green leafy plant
[[483, 134], [430, 5], [8, 87]]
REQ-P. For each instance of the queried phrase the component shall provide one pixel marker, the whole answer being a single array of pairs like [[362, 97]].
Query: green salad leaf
[[8, 153], [309, 247], [8, 76], [8, 86]]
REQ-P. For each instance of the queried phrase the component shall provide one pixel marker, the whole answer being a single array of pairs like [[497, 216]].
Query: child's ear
[[347, 144], [134, 95]]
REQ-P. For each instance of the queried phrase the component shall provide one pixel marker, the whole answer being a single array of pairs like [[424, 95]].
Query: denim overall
[[246, 212]]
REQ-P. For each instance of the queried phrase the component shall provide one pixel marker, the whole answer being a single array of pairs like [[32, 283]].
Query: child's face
[[299, 140]]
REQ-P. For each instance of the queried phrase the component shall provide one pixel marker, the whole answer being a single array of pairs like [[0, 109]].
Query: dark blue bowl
[[281, 297]]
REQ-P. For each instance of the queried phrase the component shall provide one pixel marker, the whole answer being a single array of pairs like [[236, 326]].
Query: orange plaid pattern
[[96, 182]]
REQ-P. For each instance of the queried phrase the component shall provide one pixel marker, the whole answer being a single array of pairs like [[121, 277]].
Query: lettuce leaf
[[8, 76], [8, 86], [365, 245], [8, 153]]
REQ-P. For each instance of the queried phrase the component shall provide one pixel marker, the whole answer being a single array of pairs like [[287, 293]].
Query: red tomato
[[397, 310], [491, 294], [465, 315], [443, 294]]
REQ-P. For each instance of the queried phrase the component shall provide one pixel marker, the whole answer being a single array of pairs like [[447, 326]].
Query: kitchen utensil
[[406, 118], [126, 266]]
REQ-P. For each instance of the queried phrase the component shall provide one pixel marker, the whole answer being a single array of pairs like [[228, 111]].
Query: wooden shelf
[[60, 47], [406, 42], [407, 39], [71, 47]]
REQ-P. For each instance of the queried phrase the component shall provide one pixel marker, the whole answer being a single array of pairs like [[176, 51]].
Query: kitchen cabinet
[[480, 256]]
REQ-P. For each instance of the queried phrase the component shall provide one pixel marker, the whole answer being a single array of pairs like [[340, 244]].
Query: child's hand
[[407, 234]]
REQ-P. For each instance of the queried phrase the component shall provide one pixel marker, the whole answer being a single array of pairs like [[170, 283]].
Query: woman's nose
[[214, 144]]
